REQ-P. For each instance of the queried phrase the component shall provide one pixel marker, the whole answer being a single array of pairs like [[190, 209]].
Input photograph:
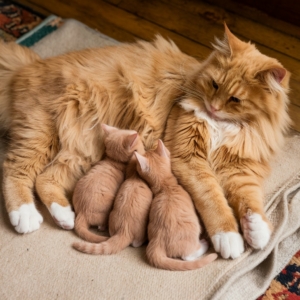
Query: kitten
[[95, 192], [174, 229], [129, 218]]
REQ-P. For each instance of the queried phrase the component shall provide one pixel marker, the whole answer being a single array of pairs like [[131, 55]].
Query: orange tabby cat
[[95, 192], [222, 135], [174, 228], [228, 121], [129, 218]]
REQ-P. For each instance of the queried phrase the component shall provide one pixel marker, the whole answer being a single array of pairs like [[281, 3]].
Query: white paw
[[26, 219], [203, 248], [63, 215], [256, 231], [228, 244]]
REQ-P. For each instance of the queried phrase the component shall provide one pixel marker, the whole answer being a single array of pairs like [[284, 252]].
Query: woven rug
[[27, 28], [24, 26]]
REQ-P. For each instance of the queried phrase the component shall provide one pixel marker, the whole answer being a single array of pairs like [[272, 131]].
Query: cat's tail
[[82, 229], [159, 259], [12, 57], [113, 245]]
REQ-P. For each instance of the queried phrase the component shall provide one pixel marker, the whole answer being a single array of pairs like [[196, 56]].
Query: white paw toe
[[26, 219], [228, 244], [256, 231], [63, 216]]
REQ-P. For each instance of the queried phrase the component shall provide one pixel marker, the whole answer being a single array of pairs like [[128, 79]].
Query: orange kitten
[[95, 192], [129, 217], [174, 228]]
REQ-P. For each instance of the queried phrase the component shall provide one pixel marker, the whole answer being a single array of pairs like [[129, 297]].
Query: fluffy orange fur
[[173, 228], [129, 218], [227, 118], [223, 133], [95, 192]]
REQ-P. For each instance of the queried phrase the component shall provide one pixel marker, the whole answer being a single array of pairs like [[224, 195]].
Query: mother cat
[[224, 118]]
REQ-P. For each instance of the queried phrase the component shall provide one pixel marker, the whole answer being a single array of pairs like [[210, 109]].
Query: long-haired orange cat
[[129, 218], [222, 119], [94, 193], [174, 229]]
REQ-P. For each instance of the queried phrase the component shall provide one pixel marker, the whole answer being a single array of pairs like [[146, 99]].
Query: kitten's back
[[174, 228]]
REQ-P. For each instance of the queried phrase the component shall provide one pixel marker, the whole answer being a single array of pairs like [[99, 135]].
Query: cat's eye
[[215, 85], [235, 99]]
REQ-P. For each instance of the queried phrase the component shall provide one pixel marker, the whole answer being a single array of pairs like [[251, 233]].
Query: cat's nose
[[214, 108]]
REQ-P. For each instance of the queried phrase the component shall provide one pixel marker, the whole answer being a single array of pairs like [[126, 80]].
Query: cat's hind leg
[[29, 151], [56, 183]]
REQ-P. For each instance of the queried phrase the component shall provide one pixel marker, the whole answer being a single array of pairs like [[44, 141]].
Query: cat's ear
[[108, 129], [142, 161], [277, 72], [161, 149], [131, 140], [234, 43]]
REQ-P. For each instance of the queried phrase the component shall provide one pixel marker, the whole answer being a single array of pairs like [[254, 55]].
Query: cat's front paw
[[63, 215], [26, 218], [256, 231], [228, 244]]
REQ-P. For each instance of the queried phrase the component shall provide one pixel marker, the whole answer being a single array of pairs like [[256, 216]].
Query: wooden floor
[[191, 24]]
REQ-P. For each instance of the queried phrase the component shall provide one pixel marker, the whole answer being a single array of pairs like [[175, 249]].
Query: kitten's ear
[[142, 161], [161, 149], [234, 44], [108, 129], [131, 140]]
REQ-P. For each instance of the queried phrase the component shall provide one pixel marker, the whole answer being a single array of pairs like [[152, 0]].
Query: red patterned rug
[[16, 21], [286, 285]]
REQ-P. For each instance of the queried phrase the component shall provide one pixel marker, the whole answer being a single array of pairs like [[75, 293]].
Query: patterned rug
[[26, 27], [286, 285], [23, 26]]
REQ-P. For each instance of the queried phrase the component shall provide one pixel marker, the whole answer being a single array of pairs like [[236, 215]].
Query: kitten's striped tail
[[12, 57], [112, 246], [82, 229], [158, 258]]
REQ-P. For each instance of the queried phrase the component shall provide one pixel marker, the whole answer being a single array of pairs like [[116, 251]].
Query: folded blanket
[[42, 265]]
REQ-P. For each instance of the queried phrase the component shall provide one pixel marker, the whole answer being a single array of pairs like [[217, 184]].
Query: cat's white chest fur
[[221, 132]]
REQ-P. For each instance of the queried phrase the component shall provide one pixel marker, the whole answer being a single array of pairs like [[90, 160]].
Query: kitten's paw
[[228, 244], [203, 248], [256, 231], [26, 219], [63, 216]]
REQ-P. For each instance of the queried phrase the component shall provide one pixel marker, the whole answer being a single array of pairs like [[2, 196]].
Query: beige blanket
[[42, 265]]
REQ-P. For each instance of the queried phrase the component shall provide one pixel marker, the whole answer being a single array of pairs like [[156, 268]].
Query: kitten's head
[[121, 144], [154, 165], [239, 84]]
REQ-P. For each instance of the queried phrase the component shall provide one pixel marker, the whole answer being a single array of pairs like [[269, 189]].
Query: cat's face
[[237, 83]]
